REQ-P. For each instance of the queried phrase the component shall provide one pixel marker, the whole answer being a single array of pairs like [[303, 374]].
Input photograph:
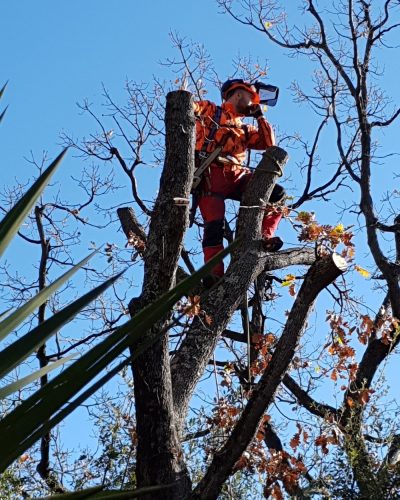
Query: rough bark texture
[[320, 275], [159, 454], [247, 262], [134, 230], [254, 200]]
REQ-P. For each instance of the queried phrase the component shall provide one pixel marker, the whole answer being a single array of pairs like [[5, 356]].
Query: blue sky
[[58, 53]]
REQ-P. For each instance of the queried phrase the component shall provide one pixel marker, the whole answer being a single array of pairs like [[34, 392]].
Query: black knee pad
[[277, 193], [213, 233]]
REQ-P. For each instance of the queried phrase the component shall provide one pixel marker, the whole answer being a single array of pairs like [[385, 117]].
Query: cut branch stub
[[169, 219], [133, 230], [258, 193], [137, 237]]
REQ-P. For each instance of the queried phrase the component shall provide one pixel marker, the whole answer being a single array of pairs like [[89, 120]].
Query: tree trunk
[[159, 452]]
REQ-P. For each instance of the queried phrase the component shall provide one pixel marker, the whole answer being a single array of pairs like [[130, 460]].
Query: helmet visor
[[268, 94]]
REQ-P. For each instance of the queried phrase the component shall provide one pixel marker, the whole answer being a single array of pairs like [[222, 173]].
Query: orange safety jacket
[[230, 132]]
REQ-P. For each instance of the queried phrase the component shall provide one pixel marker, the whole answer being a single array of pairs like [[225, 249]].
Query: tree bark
[[133, 229], [159, 452], [130, 225]]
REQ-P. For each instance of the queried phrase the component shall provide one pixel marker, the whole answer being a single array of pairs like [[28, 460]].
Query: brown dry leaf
[[257, 338], [241, 463], [322, 441], [277, 492], [305, 217], [266, 419], [137, 243], [207, 319], [233, 411], [364, 396], [193, 308], [260, 435], [295, 441], [332, 349]]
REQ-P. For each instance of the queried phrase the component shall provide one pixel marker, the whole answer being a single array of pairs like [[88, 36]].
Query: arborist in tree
[[222, 140]]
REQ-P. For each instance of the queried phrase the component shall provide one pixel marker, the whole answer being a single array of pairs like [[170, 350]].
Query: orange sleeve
[[261, 138], [203, 107]]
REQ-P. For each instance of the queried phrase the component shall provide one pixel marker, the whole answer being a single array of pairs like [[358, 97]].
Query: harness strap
[[215, 126], [216, 123]]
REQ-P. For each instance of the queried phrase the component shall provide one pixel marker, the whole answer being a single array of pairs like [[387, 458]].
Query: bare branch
[[304, 399], [387, 122]]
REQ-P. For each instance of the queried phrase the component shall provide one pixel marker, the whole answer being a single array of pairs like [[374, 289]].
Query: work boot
[[210, 280], [272, 244]]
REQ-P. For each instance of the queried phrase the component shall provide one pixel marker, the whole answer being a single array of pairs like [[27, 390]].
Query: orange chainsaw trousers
[[219, 184]]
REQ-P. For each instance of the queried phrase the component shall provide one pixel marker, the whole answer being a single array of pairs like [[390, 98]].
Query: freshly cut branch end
[[339, 262]]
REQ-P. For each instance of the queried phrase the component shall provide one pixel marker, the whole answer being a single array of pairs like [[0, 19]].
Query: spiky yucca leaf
[[3, 88], [18, 351], [50, 404], [18, 316], [14, 218], [19, 384]]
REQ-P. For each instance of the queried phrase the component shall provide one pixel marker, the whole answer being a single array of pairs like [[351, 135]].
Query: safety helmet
[[230, 85]]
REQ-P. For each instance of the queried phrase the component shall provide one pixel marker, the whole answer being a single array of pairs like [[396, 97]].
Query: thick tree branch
[[247, 262], [236, 336], [394, 228], [350, 420], [132, 227], [305, 400], [189, 362], [321, 274]]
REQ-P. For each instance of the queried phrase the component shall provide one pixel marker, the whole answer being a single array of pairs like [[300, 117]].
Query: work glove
[[254, 110]]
